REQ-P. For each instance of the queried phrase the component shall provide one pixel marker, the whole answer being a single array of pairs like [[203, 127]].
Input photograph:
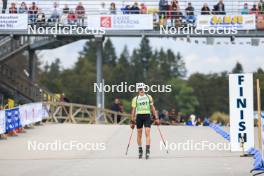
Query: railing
[[63, 112]]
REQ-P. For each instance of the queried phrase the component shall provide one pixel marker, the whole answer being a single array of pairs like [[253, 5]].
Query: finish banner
[[241, 111], [13, 21], [121, 22], [240, 22]]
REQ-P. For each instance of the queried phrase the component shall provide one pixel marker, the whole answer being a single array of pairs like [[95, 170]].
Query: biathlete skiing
[[142, 110]]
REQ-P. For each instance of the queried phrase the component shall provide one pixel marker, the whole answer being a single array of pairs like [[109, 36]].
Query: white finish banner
[[241, 111], [13, 21], [121, 22], [240, 22], [2, 122]]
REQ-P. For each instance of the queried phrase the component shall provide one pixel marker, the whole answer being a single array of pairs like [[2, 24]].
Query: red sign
[[106, 21]]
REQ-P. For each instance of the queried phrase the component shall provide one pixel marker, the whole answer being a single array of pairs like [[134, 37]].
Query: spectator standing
[[261, 7], [245, 10], [205, 10], [4, 7], [103, 10], [190, 18], [72, 18], [112, 8], [135, 9], [33, 10], [254, 10], [55, 14], [163, 7], [219, 8], [13, 8], [116, 106], [80, 12], [143, 8], [65, 9], [173, 8], [23, 8]]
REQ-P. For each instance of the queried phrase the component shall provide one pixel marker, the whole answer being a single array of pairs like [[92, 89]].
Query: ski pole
[[129, 140], [162, 139]]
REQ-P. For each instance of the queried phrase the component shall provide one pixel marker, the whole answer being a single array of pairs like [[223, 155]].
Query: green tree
[[238, 68]]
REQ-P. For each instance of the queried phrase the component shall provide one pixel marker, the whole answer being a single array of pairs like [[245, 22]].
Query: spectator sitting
[[254, 10], [199, 122], [33, 10], [205, 10], [179, 18], [23, 8], [40, 17], [245, 10], [219, 8], [143, 8], [72, 18], [156, 19], [55, 15], [206, 122], [13, 8], [103, 10], [116, 106], [135, 9], [190, 18], [173, 9], [80, 12], [112, 8], [261, 7], [66, 9]]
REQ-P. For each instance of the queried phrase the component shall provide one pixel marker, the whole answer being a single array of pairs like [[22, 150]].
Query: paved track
[[16, 159]]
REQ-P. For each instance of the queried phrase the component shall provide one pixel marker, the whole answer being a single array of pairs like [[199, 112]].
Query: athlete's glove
[[132, 124]]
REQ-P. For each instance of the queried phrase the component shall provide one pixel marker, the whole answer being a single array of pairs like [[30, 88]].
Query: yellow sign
[[216, 20]]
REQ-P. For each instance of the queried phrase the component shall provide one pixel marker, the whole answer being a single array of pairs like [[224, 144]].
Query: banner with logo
[[241, 111], [121, 22], [2, 122], [13, 21], [12, 119], [31, 113], [241, 22]]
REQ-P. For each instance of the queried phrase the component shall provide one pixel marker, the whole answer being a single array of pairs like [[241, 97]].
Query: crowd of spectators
[[167, 10]]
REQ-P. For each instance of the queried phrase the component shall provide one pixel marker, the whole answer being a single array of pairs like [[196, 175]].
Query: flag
[[12, 119]]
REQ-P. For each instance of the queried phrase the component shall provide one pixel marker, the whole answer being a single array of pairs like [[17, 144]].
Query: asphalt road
[[44, 151]]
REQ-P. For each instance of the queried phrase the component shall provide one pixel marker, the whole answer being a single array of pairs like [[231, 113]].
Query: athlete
[[142, 108]]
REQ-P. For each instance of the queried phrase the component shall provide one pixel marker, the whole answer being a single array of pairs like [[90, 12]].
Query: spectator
[[261, 7], [205, 10], [173, 116], [72, 18], [163, 7], [66, 9], [143, 8], [135, 9], [179, 18], [219, 8], [40, 17], [126, 9], [245, 10], [112, 8], [13, 8], [23, 8], [103, 10], [4, 7], [254, 10], [190, 18], [33, 10], [55, 14], [173, 9], [116, 106], [156, 19], [80, 12]]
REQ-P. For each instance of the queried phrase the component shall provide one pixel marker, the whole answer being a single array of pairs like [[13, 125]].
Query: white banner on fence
[[241, 111], [121, 22], [31, 113], [13, 21], [2, 122], [241, 22]]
